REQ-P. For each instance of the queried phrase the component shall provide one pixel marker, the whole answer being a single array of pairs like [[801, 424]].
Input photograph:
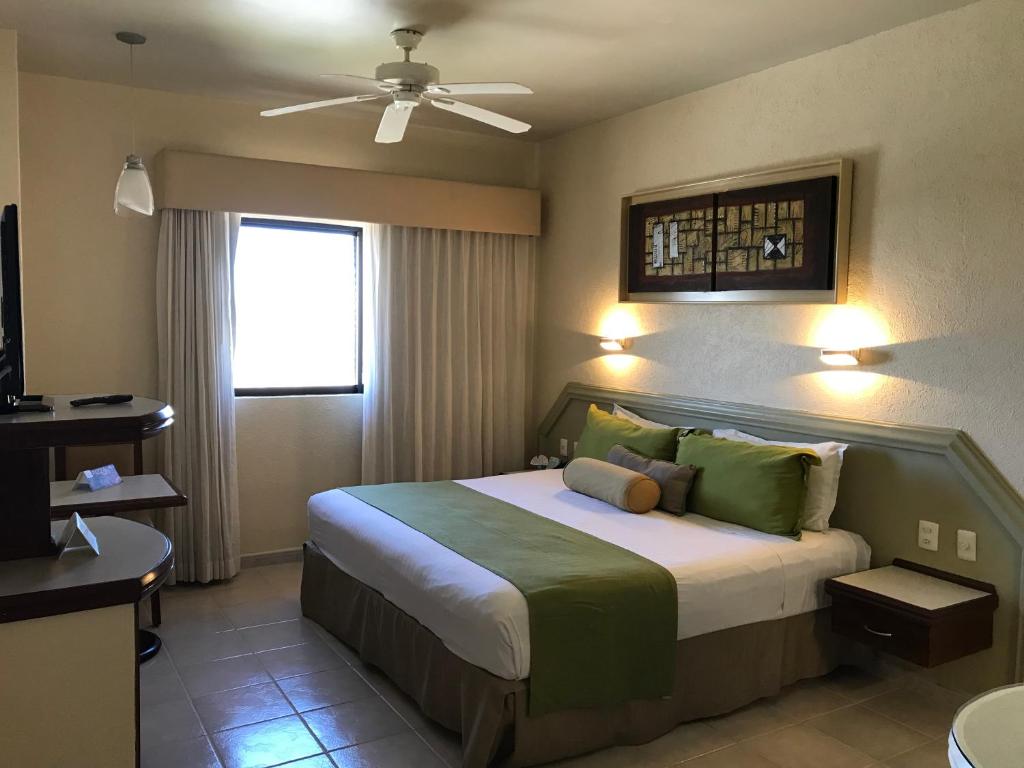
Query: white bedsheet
[[726, 575]]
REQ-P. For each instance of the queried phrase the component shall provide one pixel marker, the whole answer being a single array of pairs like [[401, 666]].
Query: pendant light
[[133, 191]]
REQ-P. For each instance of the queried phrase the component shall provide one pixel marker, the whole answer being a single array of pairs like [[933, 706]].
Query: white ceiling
[[585, 59]]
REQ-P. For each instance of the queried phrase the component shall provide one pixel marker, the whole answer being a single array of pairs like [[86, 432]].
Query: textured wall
[[933, 115], [9, 183], [90, 276]]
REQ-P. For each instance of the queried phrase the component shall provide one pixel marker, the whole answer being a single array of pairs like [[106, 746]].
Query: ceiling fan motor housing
[[407, 73]]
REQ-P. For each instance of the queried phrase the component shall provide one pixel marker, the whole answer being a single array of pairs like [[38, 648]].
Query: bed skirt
[[715, 673]]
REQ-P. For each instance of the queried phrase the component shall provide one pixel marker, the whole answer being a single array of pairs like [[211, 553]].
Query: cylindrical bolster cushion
[[619, 486]]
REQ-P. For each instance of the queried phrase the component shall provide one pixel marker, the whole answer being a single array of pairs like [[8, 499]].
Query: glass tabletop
[[989, 729]]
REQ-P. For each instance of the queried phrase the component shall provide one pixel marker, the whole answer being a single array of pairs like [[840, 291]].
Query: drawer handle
[[876, 632]]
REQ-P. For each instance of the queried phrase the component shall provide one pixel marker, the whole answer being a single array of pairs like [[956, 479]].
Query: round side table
[[988, 731]]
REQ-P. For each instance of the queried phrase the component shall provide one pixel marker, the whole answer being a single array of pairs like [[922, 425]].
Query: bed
[[455, 636]]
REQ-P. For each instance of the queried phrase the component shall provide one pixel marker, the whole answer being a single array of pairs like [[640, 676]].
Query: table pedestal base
[[149, 645]]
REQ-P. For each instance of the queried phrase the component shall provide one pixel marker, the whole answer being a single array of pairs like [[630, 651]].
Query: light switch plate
[[563, 447], [928, 535], [967, 545]]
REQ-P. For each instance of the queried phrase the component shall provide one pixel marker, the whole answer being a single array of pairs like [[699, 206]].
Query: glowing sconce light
[[840, 357], [608, 344]]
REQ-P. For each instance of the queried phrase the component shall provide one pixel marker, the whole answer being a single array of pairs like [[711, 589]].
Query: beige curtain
[[450, 318], [195, 338]]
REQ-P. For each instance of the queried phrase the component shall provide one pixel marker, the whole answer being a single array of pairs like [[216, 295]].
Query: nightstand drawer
[[883, 628]]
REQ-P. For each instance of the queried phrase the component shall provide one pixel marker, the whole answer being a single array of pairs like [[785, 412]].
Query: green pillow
[[604, 430], [759, 486]]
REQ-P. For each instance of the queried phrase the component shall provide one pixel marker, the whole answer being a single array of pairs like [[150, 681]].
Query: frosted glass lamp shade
[[133, 192]]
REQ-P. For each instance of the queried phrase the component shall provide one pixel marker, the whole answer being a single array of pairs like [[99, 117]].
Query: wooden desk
[[68, 648], [25, 442]]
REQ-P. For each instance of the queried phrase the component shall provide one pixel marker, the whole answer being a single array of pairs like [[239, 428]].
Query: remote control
[[102, 400]]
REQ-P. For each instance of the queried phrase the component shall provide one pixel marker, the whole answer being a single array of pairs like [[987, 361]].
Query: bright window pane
[[296, 307]]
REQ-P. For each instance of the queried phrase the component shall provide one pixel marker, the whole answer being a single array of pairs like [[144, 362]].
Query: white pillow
[[640, 421], [822, 482]]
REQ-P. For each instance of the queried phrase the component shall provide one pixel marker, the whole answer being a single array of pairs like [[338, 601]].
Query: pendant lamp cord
[[131, 83]]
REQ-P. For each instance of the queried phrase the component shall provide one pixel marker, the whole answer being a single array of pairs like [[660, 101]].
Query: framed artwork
[[780, 236]]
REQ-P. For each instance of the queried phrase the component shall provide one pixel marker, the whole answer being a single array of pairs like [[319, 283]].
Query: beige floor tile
[[736, 756], [859, 685], [614, 757], [267, 610], [248, 585], [447, 744], [190, 753], [313, 656], [866, 730], [317, 761], [931, 755], [194, 647], [354, 723], [406, 750], [800, 746], [241, 706], [923, 709], [283, 576], [324, 689], [685, 741], [752, 720], [807, 699], [281, 634], [173, 720], [222, 675], [265, 744]]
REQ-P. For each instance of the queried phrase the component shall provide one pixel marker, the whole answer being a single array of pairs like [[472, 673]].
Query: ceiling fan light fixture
[[410, 83]]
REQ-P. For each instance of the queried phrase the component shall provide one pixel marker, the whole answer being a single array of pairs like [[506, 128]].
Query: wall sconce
[[609, 344], [840, 357]]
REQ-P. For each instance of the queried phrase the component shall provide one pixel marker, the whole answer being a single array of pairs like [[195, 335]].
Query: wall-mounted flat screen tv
[[12, 361]]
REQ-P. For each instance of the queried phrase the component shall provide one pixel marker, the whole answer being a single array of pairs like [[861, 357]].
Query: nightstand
[[918, 613]]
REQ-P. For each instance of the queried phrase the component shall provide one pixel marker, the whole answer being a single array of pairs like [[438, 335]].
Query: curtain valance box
[[198, 181]]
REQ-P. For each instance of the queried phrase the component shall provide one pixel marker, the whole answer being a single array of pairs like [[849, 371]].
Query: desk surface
[[91, 424], [134, 560]]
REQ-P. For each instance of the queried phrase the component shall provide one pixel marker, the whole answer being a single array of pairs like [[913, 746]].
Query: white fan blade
[[477, 89], [392, 124], [319, 104], [483, 115], [363, 82]]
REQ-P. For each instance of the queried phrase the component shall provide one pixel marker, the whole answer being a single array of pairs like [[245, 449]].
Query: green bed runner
[[602, 618]]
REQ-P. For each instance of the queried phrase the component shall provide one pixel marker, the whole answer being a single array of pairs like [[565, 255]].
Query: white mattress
[[726, 575]]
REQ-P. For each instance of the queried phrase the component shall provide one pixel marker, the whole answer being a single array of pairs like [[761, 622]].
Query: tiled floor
[[245, 682]]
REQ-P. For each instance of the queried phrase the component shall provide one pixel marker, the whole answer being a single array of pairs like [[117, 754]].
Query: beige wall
[[9, 182], [933, 115], [89, 276]]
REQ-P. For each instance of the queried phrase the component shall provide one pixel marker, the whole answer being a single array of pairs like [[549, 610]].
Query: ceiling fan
[[410, 83]]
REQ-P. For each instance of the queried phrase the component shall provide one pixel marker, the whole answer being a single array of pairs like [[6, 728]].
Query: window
[[298, 308]]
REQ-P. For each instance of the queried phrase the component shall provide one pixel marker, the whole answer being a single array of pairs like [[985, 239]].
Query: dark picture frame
[[779, 236]]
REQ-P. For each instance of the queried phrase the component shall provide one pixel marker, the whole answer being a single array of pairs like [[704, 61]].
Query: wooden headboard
[[893, 475]]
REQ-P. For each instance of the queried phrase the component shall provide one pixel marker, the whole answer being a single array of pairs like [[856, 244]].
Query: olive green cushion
[[759, 486], [604, 430]]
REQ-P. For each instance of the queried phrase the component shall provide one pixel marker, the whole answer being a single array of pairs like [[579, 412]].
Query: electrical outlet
[[563, 447], [928, 535], [967, 545], [575, 446]]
